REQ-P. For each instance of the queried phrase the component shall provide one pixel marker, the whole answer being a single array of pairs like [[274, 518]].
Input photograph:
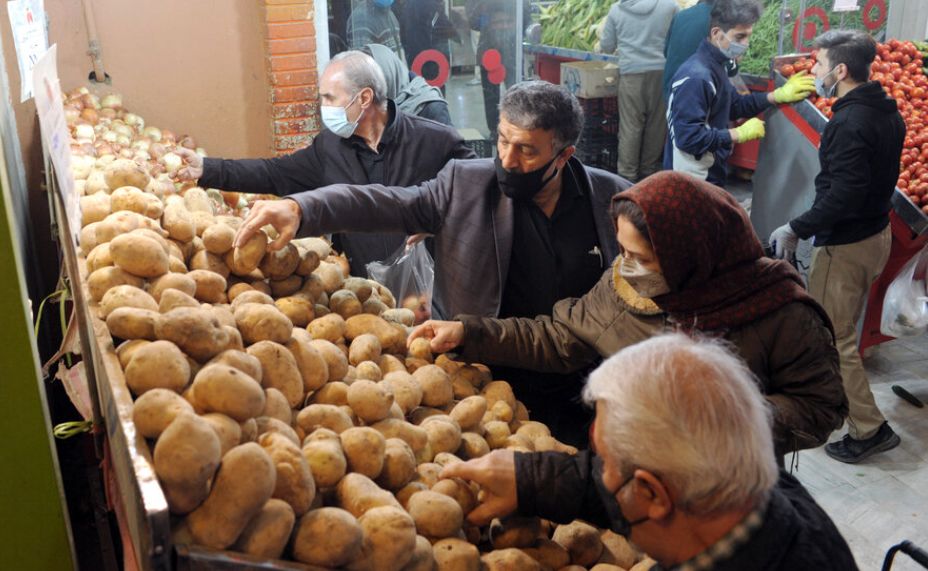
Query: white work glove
[[784, 242]]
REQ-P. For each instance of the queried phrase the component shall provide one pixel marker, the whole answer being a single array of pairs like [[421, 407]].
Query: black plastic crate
[[601, 152], [482, 147]]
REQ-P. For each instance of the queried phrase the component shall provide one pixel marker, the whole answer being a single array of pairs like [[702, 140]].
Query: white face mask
[[646, 283], [734, 49], [820, 88], [336, 120]]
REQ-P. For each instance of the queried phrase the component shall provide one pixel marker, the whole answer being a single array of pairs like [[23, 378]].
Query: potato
[[326, 458], [406, 390], [606, 567], [454, 554], [252, 296], [515, 532], [508, 560], [399, 465], [156, 409], [126, 296], [312, 365], [392, 340], [357, 494], [261, 322], [270, 425], [368, 371], [436, 515], [360, 287], [323, 416], [221, 388], [297, 309], [469, 412], [436, 386], [179, 282], [178, 222], [249, 430], [364, 348], [309, 261], [157, 365], [342, 533], [644, 565], [125, 172], [95, 208], [333, 393], [390, 364], [104, 279], [549, 554], [421, 349], [444, 459], [237, 288], [172, 299], [581, 540], [405, 317], [429, 473], [331, 276], [196, 331], [499, 391], [280, 264], [244, 260], [286, 287], [204, 260], [276, 406], [422, 558], [218, 238], [617, 550], [267, 534], [364, 449], [186, 457], [99, 257], [370, 401], [211, 287], [415, 436], [389, 540], [459, 491], [330, 327], [295, 484], [336, 361], [197, 200], [136, 200], [279, 369], [313, 290], [242, 486], [127, 349], [228, 430], [444, 436], [408, 491], [473, 446], [496, 433], [132, 323], [240, 360]]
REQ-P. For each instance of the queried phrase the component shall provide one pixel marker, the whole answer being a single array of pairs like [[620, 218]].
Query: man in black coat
[[367, 140], [684, 468], [849, 219]]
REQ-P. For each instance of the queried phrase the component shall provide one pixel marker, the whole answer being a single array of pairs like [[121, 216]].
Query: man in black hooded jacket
[[849, 219]]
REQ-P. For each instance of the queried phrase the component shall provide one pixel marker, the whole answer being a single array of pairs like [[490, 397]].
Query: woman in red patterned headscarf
[[690, 261]]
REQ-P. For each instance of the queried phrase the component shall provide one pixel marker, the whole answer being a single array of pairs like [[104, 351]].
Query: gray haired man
[[512, 235], [684, 468], [366, 140]]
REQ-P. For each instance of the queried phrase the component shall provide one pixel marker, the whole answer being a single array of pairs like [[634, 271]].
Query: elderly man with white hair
[[684, 468], [367, 140]]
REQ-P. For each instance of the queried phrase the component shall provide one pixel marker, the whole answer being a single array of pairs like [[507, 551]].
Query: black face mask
[[617, 520], [523, 186]]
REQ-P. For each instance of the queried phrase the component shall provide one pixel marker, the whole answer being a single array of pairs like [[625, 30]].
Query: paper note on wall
[[27, 20], [846, 6]]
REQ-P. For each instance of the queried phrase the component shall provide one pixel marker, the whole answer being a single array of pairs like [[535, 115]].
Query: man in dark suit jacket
[[512, 235]]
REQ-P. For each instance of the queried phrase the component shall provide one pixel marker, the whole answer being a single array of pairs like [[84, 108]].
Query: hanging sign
[[27, 20]]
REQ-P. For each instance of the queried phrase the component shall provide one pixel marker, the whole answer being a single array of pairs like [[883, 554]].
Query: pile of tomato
[[898, 67]]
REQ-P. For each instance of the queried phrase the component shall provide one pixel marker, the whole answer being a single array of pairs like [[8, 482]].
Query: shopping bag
[[410, 274], [905, 307]]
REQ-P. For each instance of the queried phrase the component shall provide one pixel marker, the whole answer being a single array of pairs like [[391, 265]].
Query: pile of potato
[[285, 414]]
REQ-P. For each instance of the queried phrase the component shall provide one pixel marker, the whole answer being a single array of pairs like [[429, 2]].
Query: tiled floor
[[884, 499]]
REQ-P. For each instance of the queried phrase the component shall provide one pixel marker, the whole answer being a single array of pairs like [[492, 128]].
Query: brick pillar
[[292, 73]]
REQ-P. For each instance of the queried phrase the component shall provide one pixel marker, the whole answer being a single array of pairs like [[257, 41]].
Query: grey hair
[[361, 71], [726, 14], [542, 105], [689, 411]]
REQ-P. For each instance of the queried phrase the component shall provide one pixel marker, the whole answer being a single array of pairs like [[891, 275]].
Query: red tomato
[[788, 70]]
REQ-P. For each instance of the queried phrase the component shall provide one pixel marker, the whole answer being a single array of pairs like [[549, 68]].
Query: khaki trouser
[[840, 278], [642, 124]]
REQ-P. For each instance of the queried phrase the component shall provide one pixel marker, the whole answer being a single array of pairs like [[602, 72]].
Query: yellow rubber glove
[[750, 130], [798, 87]]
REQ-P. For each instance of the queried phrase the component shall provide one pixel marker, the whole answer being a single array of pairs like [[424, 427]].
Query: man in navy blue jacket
[[703, 100]]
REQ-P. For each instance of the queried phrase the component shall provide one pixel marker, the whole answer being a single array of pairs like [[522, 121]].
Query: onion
[[104, 160], [201, 151], [153, 133], [88, 149], [134, 120], [112, 101], [123, 129], [188, 142], [107, 113], [125, 153], [141, 144], [71, 114], [103, 148], [157, 150], [90, 100], [172, 162], [109, 136], [84, 132], [168, 136], [123, 140], [155, 169], [141, 156], [90, 115]]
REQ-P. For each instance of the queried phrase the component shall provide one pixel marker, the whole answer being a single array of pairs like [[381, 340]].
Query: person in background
[[687, 30], [366, 140], [373, 22], [683, 468], [512, 235], [410, 92], [849, 219], [703, 101], [496, 22], [690, 261], [636, 29], [424, 25]]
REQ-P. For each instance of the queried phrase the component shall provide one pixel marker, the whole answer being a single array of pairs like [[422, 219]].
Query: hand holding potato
[[443, 335], [495, 473], [193, 161], [283, 215]]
